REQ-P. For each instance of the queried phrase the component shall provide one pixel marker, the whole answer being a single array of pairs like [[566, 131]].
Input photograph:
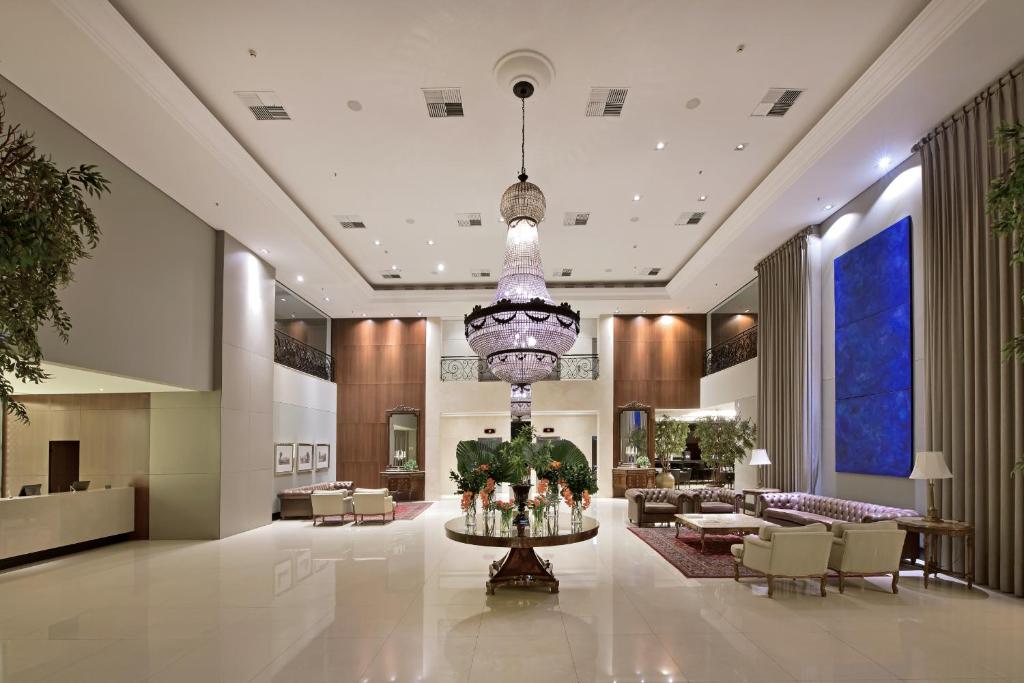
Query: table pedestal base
[[523, 568]]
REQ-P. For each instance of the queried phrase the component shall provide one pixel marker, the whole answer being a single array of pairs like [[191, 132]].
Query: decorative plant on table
[[643, 462], [46, 226], [669, 440], [1006, 208], [578, 483], [537, 506], [472, 475], [410, 465], [549, 461], [723, 441]]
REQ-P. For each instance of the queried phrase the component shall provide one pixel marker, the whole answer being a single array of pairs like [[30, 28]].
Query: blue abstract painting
[[874, 355]]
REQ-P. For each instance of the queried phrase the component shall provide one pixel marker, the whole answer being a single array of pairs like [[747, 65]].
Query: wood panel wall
[[658, 359], [379, 364], [725, 326]]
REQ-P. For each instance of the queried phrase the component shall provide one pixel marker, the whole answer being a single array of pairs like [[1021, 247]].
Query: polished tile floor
[[401, 603]]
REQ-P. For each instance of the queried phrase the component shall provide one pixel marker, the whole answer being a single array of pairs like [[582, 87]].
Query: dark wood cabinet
[[405, 486], [631, 478]]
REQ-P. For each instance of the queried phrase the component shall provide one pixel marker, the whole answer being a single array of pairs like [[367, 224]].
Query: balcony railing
[[302, 357], [474, 369], [732, 351]]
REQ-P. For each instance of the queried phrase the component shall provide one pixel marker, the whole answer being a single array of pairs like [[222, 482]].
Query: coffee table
[[722, 524]]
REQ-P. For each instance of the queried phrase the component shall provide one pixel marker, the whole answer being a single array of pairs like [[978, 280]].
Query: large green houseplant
[[669, 440], [46, 226], [723, 441], [1006, 209]]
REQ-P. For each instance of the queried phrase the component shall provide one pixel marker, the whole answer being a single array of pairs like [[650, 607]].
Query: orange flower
[[542, 486], [490, 484], [466, 498], [555, 465], [484, 499], [483, 468], [586, 499]]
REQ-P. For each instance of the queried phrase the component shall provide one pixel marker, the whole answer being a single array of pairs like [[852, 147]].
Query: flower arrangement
[[578, 484], [643, 461], [507, 510], [538, 508]]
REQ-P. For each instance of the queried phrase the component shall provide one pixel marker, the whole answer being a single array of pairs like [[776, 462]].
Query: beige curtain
[[789, 364], [975, 405]]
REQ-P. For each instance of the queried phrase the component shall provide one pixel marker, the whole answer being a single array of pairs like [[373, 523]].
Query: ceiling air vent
[[467, 220], [606, 101], [576, 218], [482, 273], [564, 272], [776, 102], [391, 274], [265, 105], [350, 222], [690, 218], [443, 102], [653, 271]]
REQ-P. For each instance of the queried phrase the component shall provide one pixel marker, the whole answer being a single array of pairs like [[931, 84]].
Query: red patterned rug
[[684, 554], [410, 510]]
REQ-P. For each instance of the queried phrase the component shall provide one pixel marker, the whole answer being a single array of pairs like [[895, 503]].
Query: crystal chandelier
[[522, 333]]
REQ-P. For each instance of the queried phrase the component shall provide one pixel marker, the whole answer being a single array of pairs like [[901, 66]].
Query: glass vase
[[488, 522], [506, 523], [539, 515], [470, 512], [576, 517]]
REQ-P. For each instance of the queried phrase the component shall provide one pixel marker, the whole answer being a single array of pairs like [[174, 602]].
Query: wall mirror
[[403, 438], [634, 423]]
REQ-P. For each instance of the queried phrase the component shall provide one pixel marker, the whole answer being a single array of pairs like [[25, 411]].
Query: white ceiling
[[160, 86], [66, 379]]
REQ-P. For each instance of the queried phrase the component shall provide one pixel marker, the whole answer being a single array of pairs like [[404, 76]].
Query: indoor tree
[[723, 441], [669, 440], [46, 226], [1006, 209]]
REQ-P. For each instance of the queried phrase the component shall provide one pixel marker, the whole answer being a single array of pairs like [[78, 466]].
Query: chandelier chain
[[522, 149]]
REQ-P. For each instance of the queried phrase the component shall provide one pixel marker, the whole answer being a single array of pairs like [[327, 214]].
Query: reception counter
[[36, 524]]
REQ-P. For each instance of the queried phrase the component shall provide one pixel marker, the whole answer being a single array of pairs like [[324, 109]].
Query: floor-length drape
[[975, 405], [789, 365]]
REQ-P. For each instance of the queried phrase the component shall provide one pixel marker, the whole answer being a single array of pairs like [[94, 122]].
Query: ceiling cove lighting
[[523, 332]]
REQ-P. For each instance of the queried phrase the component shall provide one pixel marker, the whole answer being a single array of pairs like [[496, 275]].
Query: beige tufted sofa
[[651, 506]]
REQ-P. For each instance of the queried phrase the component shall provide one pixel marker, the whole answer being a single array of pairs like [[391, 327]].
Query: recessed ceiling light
[[376, 243], [693, 103], [636, 198], [747, 310], [430, 243], [659, 145], [440, 267], [410, 221], [634, 219], [616, 310], [264, 251], [354, 105], [501, 219], [101, 388], [299, 278], [282, 298], [828, 207], [419, 312], [644, 311], [293, 315], [740, 147], [394, 267], [884, 163], [364, 315], [327, 298], [702, 198]]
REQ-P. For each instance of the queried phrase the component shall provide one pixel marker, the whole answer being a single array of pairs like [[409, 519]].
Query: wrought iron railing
[[474, 369], [302, 357], [732, 351]]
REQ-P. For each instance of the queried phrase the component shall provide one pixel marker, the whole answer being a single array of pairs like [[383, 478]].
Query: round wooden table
[[520, 566]]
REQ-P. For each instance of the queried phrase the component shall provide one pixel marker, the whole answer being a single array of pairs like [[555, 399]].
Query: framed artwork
[[304, 457], [323, 456], [284, 458]]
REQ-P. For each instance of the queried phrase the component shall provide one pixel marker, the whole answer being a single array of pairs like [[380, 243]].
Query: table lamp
[[759, 457], [931, 465]]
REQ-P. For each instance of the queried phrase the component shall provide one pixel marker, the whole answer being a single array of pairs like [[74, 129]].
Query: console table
[[624, 478], [404, 485], [520, 566], [756, 493], [933, 531]]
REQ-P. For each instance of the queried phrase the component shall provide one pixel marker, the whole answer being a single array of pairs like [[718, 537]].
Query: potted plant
[[578, 484], [669, 440], [723, 441]]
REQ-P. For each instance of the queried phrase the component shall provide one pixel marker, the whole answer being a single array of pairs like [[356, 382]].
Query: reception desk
[[35, 524]]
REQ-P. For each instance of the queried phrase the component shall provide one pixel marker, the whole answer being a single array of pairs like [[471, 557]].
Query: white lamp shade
[[930, 465], [759, 456]]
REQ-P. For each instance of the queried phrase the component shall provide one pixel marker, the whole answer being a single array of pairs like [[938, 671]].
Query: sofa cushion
[[797, 517], [384, 491], [660, 508], [766, 532], [839, 527], [716, 508]]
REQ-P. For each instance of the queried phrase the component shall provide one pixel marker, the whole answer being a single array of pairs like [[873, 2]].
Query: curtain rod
[[963, 111]]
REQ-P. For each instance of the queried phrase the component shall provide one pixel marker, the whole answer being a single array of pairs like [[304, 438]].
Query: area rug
[[410, 510], [684, 554]]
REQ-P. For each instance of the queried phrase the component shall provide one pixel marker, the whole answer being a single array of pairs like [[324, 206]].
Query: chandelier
[[523, 332]]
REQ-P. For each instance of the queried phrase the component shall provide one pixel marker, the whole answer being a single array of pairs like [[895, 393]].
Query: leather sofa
[[651, 506], [712, 500], [295, 503], [801, 509]]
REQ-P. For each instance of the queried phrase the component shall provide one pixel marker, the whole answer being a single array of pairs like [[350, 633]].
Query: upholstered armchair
[[330, 504], [867, 550], [786, 552], [712, 500], [372, 502], [651, 506]]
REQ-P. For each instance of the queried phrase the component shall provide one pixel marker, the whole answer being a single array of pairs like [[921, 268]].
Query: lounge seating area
[[295, 502], [798, 509]]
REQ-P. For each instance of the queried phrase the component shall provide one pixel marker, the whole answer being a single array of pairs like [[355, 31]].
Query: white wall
[[305, 411], [143, 305], [894, 196]]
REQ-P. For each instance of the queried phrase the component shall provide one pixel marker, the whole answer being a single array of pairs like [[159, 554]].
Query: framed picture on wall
[[323, 456], [304, 457], [284, 458]]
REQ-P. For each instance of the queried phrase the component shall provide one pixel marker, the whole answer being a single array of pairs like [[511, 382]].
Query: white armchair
[[799, 552], [373, 502], [330, 504], [871, 549]]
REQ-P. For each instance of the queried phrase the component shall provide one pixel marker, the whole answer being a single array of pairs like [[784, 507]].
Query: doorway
[[63, 465]]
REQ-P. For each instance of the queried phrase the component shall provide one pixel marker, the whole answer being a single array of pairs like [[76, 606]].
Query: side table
[[933, 531], [756, 492]]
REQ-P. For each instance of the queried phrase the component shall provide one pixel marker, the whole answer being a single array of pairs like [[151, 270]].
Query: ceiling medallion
[[523, 332]]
